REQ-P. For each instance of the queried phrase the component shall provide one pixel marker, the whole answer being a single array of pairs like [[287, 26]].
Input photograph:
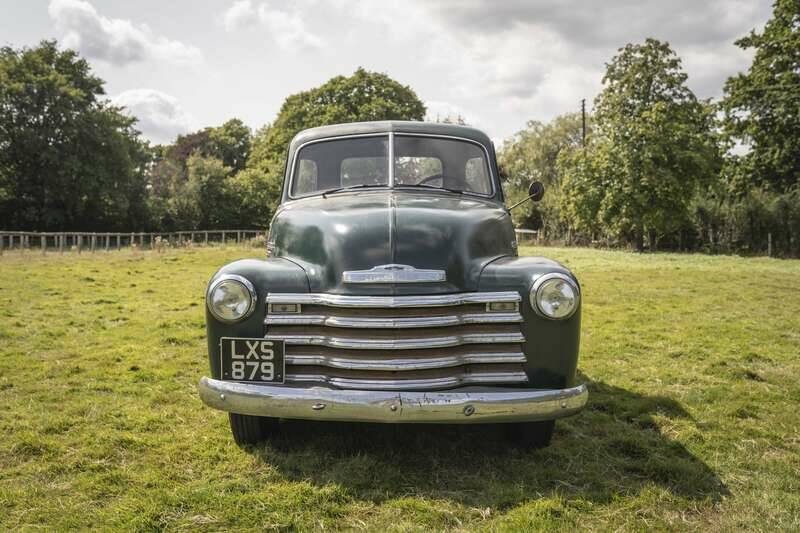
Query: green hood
[[361, 230]]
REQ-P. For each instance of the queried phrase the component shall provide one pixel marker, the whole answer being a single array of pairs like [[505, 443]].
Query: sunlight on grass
[[692, 422]]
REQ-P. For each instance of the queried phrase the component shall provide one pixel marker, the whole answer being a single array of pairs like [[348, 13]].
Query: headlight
[[231, 298], [555, 296]]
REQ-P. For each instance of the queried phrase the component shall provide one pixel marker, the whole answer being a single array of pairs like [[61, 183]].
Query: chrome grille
[[399, 342]]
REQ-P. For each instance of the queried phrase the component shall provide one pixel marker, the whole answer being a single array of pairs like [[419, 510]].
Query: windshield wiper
[[457, 191], [350, 187]]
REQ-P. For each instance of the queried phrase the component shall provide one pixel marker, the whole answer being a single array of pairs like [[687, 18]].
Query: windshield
[[448, 164]]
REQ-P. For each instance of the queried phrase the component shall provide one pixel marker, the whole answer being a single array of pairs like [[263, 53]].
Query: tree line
[[658, 168], [661, 168]]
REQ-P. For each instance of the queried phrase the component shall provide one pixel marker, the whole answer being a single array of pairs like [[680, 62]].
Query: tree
[[191, 180], [68, 159], [532, 154], [653, 147], [231, 144], [364, 96], [762, 107]]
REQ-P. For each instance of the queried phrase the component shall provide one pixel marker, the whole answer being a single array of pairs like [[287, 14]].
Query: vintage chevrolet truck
[[392, 291]]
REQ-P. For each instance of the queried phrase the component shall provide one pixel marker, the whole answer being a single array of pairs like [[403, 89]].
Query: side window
[[306, 177], [477, 176]]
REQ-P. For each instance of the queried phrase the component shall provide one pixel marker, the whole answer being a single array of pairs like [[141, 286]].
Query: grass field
[[693, 364]]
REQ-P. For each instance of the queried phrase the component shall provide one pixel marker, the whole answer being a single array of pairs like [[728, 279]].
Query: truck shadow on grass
[[613, 447]]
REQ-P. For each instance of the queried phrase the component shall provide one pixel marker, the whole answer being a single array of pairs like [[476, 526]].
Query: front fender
[[551, 346], [274, 275]]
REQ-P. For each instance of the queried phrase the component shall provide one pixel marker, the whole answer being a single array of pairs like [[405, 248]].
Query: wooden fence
[[92, 242]]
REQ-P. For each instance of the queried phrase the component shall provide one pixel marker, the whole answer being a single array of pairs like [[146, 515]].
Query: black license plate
[[252, 360]]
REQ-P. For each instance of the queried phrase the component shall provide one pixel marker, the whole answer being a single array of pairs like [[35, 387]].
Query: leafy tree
[[653, 147], [68, 160], [191, 179], [762, 106], [364, 96], [532, 155], [231, 144]]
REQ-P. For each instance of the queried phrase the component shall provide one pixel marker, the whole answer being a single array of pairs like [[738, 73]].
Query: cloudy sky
[[183, 65]]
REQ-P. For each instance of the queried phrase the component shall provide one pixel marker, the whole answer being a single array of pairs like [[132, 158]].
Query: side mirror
[[535, 193]]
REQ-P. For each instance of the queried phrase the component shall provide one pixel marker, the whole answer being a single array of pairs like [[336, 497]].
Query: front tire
[[532, 435], [249, 430]]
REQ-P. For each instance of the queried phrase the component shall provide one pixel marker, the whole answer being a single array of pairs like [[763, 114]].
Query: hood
[[362, 230]]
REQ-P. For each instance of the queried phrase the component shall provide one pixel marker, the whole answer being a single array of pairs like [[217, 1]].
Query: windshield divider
[[391, 160]]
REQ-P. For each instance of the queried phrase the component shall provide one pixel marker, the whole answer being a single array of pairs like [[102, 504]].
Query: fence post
[[43, 242], [223, 238], [205, 237], [769, 244], [93, 242], [80, 243], [2, 242], [61, 243]]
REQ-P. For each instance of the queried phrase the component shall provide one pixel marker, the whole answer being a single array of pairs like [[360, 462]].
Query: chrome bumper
[[465, 405]]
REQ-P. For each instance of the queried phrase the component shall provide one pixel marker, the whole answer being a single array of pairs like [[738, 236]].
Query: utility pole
[[583, 122]]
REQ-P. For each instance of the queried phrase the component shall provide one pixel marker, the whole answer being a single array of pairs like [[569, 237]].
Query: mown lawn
[[693, 423]]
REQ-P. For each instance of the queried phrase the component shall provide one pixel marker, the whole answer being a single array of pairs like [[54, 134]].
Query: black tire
[[532, 435], [248, 430]]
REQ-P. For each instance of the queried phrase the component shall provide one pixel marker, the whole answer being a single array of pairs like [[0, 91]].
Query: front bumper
[[459, 406]]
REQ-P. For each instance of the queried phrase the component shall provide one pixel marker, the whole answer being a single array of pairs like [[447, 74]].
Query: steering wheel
[[424, 181]]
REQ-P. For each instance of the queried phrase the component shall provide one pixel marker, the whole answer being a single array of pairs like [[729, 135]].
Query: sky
[[179, 66]]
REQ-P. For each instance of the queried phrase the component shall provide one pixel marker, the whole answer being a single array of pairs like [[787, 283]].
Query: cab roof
[[386, 126]]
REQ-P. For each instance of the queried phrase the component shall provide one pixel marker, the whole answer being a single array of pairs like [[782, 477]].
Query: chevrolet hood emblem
[[394, 273]]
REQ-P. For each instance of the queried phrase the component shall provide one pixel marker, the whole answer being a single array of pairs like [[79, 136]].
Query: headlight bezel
[[246, 283], [533, 295]]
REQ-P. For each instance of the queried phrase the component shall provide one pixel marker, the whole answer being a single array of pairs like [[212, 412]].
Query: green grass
[[693, 363]]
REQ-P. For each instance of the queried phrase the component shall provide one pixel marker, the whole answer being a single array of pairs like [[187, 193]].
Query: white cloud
[[117, 41], [286, 28], [240, 15], [160, 117]]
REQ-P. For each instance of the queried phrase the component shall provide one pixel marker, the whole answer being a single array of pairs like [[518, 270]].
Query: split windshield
[[448, 164]]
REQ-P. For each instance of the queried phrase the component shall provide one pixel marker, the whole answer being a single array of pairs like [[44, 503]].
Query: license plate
[[252, 360]]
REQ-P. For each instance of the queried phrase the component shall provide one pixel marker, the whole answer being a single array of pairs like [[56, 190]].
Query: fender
[[551, 346], [274, 274]]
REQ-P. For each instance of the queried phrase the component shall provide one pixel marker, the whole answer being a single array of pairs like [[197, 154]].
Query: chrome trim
[[493, 178], [538, 283], [400, 363], [403, 322], [444, 341], [247, 284], [394, 273], [465, 405], [393, 302], [437, 383]]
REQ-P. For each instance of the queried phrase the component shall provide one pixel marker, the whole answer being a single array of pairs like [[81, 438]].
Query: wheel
[[248, 429], [532, 435]]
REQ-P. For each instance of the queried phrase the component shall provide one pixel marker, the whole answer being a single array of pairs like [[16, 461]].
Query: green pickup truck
[[392, 292]]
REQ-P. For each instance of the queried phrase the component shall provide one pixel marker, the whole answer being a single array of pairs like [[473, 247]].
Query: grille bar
[[403, 361], [391, 322], [410, 383], [431, 300], [411, 343]]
